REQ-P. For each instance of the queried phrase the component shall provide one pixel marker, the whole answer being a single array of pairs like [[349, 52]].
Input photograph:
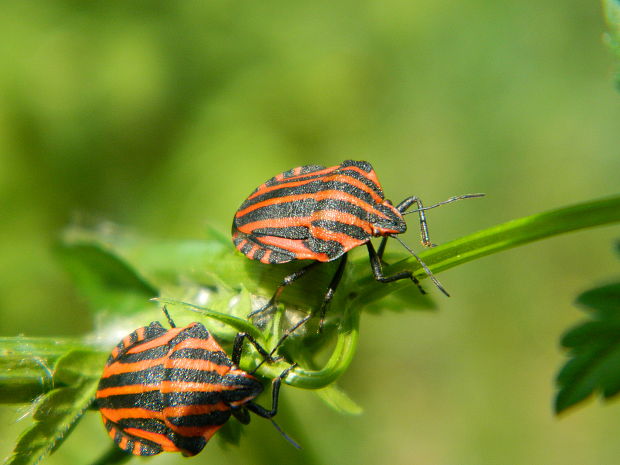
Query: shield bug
[[171, 390], [318, 213]]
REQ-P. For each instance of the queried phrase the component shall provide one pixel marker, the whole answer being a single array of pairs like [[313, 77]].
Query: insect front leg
[[421, 209], [377, 270], [402, 208]]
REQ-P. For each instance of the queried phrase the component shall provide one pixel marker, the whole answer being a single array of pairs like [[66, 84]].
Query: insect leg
[[238, 348], [267, 356], [275, 393], [377, 270], [332, 289], [170, 321], [409, 201], [291, 278], [404, 206], [269, 414]]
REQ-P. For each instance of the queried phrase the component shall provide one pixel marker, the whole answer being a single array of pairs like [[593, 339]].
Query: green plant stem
[[361, 292], [488, 241], [495, 239], [339, 361]]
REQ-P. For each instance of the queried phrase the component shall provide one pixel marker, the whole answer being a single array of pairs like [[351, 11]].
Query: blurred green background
[[164, 116]]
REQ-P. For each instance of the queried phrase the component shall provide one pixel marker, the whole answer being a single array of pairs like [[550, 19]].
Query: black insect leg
[[377, 270], [290, 279], [409, 201], [286, 334], [241, 414], [329, 294], [269, 414], [333, 285], [275, 394], [402, 208], [168, 317], [238, 348], [267, 356]]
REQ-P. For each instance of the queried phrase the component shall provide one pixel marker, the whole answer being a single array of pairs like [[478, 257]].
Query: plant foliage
[[119, 272], [594, 350]]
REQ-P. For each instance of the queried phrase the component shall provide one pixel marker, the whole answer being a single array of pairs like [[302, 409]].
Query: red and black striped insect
[[171, 390], [318, 213]]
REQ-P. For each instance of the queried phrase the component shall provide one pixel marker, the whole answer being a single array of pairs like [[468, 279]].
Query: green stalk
[[495, 239], [446, 256]]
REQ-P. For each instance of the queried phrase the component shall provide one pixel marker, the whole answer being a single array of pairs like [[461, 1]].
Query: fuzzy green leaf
[[603, 301], [26, 366], [594, 348], [58, 411], [103, 278], [233, 321], [339, 400]]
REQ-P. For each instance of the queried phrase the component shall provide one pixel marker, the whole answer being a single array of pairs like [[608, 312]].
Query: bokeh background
[[163, 117]]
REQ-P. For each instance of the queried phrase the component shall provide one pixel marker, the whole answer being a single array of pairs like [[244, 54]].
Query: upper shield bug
[[171, 390], [317, 213]]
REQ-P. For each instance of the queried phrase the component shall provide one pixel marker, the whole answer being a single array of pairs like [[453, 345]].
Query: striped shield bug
[[171, 390], [318, 213]]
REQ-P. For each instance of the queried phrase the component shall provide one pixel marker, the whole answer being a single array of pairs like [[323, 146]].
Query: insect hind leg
[[287, 281], [331, 290]]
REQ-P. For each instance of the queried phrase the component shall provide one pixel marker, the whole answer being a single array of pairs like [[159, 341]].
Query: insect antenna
[[450, 200], [423, 265], [286, 436]]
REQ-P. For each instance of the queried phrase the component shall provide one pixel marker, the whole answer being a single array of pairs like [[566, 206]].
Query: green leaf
[[594, 350], [105, 280], [233, 321], [79, 364], [58, 411], [163, 263], [26, 366], [339, 400], [604, 301]]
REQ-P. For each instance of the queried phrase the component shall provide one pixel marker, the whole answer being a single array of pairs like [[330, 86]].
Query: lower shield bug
[[171, 390]]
